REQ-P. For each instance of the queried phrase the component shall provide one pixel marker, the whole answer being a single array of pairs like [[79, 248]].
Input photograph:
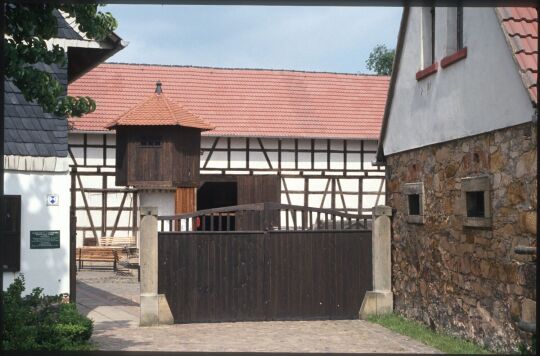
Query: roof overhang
[[380, 159], [85, 53], [82, 59]]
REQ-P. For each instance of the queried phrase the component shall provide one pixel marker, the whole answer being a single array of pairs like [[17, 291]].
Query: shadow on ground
[[90, 295]]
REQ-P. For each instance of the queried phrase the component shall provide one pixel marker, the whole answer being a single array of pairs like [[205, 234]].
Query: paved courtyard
[[111, 300]]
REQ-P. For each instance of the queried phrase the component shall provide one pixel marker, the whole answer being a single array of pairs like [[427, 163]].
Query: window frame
[[432, 39], [416, 188], [459, 28], [480, 183], [14, 251]]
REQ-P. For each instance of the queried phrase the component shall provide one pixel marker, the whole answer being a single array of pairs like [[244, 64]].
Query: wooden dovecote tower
[[158, 144]]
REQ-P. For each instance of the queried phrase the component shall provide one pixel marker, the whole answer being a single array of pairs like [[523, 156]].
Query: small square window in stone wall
[[476, 201], [475, 204], [415, 202]]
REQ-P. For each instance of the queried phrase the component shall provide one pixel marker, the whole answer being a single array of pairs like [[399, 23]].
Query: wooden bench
[[97, 254]]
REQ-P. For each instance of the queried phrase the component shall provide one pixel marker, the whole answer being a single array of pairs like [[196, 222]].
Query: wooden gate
[[291, 272]]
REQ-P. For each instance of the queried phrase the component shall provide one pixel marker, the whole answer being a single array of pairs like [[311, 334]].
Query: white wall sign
[[52, 199]]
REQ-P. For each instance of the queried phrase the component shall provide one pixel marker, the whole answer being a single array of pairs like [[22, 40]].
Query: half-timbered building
[[300, 138]]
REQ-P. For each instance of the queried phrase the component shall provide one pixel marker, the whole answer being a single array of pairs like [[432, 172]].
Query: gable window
[[150, 141], [432, 15], [428, 36], [10, 245], [459, 29], [414, 193], [427, 54], [455, 49], [476, 204]]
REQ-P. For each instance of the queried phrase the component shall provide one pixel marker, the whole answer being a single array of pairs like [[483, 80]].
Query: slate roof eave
[[29, 131]]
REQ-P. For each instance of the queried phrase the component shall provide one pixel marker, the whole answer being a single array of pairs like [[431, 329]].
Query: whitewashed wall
[[355, 175], [478, 94], [44, 268]]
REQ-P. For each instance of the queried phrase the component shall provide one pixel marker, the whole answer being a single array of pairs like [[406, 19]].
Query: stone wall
[[461, 279]]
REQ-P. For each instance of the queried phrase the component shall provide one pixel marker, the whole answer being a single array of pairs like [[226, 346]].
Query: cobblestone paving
[[112, 302]]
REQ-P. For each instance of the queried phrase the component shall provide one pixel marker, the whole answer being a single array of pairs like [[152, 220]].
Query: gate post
[[380, 300], [154, 308], [149, 264]]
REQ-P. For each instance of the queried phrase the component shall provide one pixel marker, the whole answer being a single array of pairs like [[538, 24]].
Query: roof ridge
[[244, 69]]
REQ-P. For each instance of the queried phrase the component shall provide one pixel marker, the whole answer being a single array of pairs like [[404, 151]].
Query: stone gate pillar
[[380, 300], [154, 308]]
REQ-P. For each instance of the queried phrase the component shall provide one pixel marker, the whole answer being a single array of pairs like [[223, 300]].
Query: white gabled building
[[36, 178], [459, 142]]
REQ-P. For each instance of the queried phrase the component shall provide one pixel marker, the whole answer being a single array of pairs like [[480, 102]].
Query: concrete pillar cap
[[149, 211], [381, 210]]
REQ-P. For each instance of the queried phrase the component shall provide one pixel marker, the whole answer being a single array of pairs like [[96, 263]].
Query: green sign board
[[45, 239]]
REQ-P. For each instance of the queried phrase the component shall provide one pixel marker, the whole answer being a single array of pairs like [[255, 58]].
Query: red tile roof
[[158, 110], [243, 102], [520, 25]]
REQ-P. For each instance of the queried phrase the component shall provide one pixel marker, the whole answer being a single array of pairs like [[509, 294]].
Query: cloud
[[303, 38]]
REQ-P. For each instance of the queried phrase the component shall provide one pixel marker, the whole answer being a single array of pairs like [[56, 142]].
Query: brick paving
[[111, 300]]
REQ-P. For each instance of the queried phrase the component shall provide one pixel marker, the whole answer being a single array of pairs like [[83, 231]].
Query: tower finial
[[158, 87]]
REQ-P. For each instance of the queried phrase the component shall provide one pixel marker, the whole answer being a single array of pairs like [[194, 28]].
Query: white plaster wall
[[164, 201], [480, 93], [45, 268], [257, 160]]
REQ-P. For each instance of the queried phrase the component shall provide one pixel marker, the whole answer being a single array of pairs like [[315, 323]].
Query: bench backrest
[[116, 241], [98, 252]]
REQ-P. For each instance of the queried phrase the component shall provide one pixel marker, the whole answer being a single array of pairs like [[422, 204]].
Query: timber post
[[380, 300], [154, 308]]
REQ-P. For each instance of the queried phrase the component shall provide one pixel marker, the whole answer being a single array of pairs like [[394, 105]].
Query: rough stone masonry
[[467, 280]]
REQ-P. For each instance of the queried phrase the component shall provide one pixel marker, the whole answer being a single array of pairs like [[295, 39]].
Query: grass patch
[[418, 331]]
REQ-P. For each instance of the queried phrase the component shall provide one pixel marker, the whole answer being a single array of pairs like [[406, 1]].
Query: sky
[[330, 39]]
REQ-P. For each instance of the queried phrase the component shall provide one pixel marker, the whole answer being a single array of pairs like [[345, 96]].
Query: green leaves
[[381, 60], [39, 322], [28, 27], [96, 25]]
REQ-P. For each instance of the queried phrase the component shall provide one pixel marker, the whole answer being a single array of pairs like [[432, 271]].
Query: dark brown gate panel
[[317, 274], [275, 275], [211, 276], [257, 189]]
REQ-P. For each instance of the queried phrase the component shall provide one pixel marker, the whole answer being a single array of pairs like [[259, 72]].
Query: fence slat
[[261, 216]]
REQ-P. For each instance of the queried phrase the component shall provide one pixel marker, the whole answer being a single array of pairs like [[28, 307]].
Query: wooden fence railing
[[263, 216]]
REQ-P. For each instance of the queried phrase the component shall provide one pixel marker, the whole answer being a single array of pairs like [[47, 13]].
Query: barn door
[[257, 189]]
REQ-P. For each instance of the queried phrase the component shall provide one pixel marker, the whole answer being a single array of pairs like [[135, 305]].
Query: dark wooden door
[[257, 189]]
